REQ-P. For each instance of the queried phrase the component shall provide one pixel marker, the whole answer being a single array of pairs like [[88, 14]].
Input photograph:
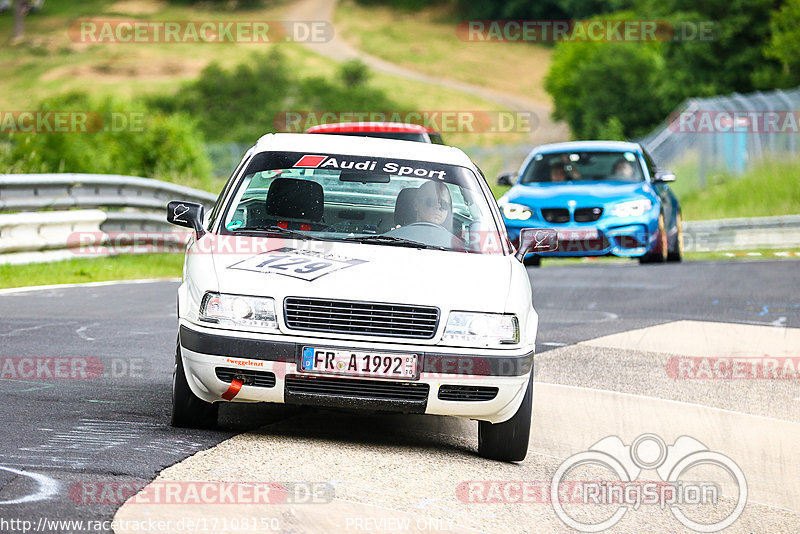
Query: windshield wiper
[[391, 240], [272, 229]]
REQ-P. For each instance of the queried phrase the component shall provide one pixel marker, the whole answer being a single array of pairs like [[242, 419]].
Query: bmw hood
[[363, 272], [561, 193]]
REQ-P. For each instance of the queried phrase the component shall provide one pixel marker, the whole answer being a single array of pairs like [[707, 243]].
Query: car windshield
[[370, 200], [574, 166]]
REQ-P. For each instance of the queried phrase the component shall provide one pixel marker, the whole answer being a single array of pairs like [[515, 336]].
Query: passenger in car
[[558, 173], [622, 168]]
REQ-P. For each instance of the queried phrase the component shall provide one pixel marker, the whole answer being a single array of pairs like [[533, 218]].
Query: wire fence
[[727, 134]]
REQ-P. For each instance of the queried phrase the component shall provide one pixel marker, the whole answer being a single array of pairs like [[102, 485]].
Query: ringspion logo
[[625, 464]]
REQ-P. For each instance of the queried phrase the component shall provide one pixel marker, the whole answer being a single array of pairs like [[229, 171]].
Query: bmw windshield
[[583, 166], [363, 199]]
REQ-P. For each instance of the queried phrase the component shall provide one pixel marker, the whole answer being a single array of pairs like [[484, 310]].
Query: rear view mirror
[[186, 214], [664, 176], [536, 240], [364, 177], [507, 178]]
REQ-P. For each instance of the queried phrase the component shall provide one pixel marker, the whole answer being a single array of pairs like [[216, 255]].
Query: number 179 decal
[[304, 264]]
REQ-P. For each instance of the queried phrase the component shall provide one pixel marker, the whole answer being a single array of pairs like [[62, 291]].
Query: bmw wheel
[[661, 249], [676, 253]]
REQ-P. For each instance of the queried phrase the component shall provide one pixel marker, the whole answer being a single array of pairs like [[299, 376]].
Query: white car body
[[443, 279]]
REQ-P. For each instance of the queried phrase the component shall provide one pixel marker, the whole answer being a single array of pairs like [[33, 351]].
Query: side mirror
[[664, 176], [186, 214], [536, 240], [507, 178]]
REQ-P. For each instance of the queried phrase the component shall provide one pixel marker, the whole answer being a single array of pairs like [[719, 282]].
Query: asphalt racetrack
[[618, 348]]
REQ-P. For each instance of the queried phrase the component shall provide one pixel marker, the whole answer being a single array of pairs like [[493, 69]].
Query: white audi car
[[357, 273]]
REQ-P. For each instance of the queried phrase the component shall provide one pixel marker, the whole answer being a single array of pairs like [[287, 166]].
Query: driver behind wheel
[[433, 204]]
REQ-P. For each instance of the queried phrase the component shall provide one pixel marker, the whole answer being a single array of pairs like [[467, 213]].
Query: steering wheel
[[427, 223]]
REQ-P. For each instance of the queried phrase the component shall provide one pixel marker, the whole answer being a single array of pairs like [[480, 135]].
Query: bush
[[719, 47], [540, 10], [403, 5], [157, 146], [354, 73], [221, 4], [242, 104], [608, 88]]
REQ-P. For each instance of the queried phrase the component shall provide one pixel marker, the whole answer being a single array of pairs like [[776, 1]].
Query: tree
[[784, 44], [605, 87], [20, 10], [731, 60]]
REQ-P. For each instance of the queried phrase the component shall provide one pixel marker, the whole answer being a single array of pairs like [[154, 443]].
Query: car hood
[[559, 194], [375, 273]]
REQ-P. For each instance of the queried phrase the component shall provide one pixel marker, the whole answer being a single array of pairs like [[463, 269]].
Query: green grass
[[769, 188], [48, 62], [761, 254], [426, 40], [745, 255], [123, 267], [145, 266]]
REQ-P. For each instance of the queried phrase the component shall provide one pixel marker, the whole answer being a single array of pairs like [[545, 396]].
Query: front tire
[[188, 410], [661, 250], [532, 260], [508, 441], [676, 254]]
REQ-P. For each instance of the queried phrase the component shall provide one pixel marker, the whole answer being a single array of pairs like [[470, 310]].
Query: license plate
[[577, 234], [359, 363]]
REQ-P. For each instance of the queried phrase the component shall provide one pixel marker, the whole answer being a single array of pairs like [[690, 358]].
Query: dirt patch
[[152, 70], [136, 7]]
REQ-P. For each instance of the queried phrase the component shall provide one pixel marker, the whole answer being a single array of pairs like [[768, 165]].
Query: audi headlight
[[516, 212], [633, 208], [239, 311], [481, 329]]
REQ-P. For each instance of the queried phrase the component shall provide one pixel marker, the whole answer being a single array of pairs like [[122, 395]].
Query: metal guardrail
[[135, 214], [742, 233], [21, 192], [99, 207]]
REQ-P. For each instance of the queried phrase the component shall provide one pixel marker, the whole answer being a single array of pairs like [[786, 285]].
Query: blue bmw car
[[603, 198]]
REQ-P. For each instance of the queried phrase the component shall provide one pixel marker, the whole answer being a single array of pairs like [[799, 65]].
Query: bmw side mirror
[[664, 176], [533, 240], [188, 215], [506, 178]]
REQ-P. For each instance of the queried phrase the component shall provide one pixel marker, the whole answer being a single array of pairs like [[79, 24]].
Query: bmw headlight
[[239, 311], [481, 329], [516, 212], [633, 208]]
